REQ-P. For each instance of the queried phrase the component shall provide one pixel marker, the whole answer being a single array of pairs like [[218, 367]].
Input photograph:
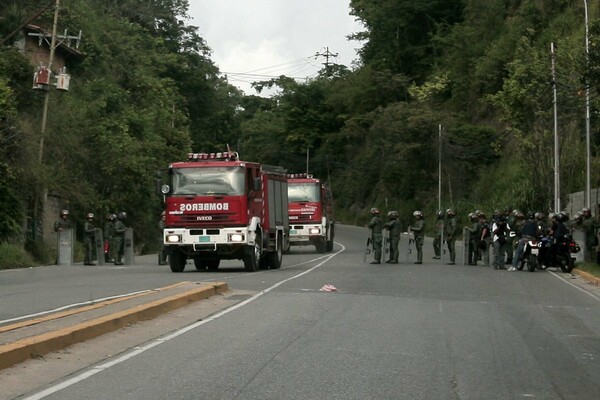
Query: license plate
[[204, 239], [293, 232], [535, 251]]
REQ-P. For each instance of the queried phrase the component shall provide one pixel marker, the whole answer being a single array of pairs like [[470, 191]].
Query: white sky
[[274, 37]]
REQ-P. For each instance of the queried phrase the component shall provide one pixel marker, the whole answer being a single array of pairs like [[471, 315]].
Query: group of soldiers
[[482, 234], [392, 231], [113, 234]]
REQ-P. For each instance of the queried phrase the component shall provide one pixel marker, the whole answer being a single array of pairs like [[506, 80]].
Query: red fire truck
[[221, 208], [311, 212]]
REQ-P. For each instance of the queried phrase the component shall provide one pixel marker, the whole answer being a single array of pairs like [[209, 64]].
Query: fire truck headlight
[[236, 237], [314, 231], [173, 238]]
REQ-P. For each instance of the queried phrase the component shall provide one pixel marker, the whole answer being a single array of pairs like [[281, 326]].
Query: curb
[[36, 346], [594, 280]]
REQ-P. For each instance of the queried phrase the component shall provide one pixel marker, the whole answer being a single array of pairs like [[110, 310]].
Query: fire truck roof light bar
[[302, 175], [222, 156]]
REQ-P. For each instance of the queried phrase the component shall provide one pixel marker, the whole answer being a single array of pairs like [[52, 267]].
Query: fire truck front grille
[[201, 232]]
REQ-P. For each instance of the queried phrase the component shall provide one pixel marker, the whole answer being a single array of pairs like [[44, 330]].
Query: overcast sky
[[274, 37]]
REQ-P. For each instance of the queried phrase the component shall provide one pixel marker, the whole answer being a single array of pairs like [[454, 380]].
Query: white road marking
[[139, 350]]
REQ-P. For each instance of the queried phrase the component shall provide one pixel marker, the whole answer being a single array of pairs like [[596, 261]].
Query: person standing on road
[[450, 232], [376, 227], [109, 226], [474, 237], [528, 231], [500, 230], [62, 222], [485, 239], [119, 237], [418, 229], [438, 240], [395, 229], [590, 229], [89, 239], [162, 251]]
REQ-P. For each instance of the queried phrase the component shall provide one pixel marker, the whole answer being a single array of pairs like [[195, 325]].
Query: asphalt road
[[405, 331]]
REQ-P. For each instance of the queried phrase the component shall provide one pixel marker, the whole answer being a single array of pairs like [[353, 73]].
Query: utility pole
[[40, 202], [327, 54], [588, 187], [556, 143]]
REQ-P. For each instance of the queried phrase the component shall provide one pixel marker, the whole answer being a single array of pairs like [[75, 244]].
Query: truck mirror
[[257, 184], [165, 189]]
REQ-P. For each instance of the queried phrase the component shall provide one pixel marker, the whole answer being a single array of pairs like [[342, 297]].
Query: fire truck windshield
[[298, 192], [208, 181]]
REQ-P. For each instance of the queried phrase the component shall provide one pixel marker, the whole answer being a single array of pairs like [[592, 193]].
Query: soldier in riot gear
[[395, 229], [450, 231], [63, 221], [376, 227], [89, 231], [119, 237], [438, 240], [418, 229], [109, 226], [590, 228]]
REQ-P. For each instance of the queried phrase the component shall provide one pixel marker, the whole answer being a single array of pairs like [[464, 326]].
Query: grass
[[590, 268], [14, 256]]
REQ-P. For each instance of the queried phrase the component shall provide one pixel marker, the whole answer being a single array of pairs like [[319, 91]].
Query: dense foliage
[[146, 92]]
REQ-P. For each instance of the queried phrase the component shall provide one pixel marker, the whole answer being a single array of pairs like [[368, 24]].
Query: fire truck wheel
[[213, 265], [321, 245], [252, 255], [200, 264], [274, 258], [287, 246], [177, 260], [330, 241]]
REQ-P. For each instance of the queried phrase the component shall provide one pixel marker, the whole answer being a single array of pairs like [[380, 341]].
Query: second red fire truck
[[310, 212], [219, 208]]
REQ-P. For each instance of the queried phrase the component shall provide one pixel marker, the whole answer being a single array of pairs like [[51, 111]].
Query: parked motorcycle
[[562, 258], [531, 251]]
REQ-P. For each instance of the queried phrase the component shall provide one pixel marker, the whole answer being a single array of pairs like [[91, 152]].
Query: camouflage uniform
[[119, 238], [395, 229], [450, 233], [418, 229], [590, 230], [89, 230], [376, 227], [437, 240]]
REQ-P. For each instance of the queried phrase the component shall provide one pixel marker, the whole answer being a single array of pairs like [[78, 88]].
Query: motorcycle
[[561, 257], [531, 251]]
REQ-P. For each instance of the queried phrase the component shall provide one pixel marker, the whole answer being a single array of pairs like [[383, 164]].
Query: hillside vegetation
[[147, 92]]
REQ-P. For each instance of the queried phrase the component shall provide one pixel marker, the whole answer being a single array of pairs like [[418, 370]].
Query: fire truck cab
[[310, 212], [218, 207]]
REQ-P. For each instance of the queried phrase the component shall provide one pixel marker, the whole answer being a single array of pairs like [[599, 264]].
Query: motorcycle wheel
[[521, 264], [570, 264], [531, 263]]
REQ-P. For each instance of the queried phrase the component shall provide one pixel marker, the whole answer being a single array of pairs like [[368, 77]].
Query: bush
[[13, 256], [41, 252]]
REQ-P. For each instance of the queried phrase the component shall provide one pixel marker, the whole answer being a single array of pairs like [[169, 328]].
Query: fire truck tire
[[177, 260], [252, 256], [330, 241], [213, 265], [200, 264], [321, 245], [274, 258]]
